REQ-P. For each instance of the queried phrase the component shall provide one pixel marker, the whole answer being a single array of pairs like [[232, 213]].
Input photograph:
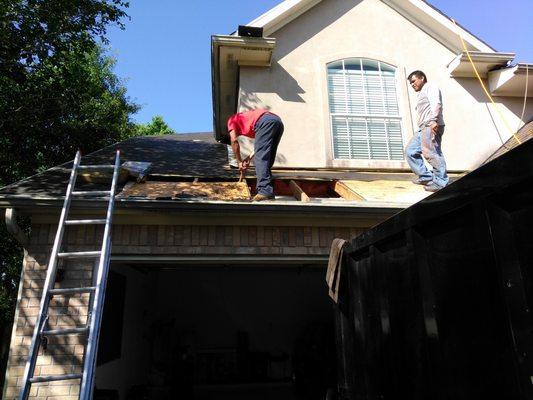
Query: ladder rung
[[80, 254], [85, 221], [50, 378], [92, 193], [87, 289], [95, 167], [66, 331]]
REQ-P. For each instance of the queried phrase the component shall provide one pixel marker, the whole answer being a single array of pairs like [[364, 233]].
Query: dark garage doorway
[[217, 332]]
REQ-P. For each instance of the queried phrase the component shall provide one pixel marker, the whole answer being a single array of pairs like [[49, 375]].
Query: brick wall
[[64, 354]]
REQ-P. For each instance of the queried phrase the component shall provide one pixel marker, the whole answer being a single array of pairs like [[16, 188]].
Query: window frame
[[404, 114]]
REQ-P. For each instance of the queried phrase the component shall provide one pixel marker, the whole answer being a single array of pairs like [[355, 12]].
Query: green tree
[[157, 126], [58, 93]]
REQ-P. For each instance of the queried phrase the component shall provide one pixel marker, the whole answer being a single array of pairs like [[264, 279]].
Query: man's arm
[[435, 103], [235, 146]]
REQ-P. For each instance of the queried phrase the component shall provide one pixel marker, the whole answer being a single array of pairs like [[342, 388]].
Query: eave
[[282, 14], [160, 212], [228, 54], [460, 66], [512, 81]]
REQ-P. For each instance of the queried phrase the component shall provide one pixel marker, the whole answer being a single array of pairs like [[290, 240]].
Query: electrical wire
[[525, 100], [483, 85]]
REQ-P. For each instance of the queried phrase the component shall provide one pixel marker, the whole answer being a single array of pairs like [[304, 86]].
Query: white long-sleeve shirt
[[429, 105]]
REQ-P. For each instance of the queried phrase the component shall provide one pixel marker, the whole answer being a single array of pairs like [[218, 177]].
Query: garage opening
[[216, 332]]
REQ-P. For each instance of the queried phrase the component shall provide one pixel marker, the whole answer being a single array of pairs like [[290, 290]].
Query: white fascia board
[[460, 66], [511, 82], [419, 12], [437, 25], [282, 14]]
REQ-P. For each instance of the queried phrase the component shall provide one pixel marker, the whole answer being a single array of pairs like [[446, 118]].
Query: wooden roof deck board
[[229, 191], [386, 191]]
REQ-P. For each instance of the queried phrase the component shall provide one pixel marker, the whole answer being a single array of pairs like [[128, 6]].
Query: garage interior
[[218, 331]]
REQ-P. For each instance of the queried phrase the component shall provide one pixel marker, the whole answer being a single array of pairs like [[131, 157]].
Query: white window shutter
[[365, 117]]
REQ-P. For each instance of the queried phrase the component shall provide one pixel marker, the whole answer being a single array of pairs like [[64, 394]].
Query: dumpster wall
[[436, 301]]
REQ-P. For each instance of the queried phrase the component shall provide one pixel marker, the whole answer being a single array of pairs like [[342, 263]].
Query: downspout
[[14, 228]]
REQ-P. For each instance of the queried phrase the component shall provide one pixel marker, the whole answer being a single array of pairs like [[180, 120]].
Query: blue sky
[[163, 55]]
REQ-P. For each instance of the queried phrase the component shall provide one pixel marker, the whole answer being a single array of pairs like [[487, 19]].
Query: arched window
[[364, 112]]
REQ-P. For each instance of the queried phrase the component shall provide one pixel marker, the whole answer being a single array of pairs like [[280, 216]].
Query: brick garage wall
[[64, 354]]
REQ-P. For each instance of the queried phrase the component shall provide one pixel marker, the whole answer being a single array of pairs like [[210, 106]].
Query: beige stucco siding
[[295, 86]]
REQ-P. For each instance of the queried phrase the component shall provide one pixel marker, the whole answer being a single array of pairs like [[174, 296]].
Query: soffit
[[461, 67], [512, 81]]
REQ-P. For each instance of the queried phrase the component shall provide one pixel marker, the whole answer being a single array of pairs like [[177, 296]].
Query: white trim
[[511, 81], [460, 66], [419, 12], [279, 16], [403, 106], [438, 25]]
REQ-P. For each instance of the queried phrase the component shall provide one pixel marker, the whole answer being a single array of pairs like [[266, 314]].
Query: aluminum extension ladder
[[97, 292]]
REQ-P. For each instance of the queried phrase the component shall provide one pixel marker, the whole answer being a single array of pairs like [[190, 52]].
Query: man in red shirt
[[266, 128]]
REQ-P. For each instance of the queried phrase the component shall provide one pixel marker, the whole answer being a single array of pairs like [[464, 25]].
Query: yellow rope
[[483, 85], [525, 100]]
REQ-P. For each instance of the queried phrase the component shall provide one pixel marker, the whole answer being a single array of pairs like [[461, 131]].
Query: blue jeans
[[425, 144], [268, 130]]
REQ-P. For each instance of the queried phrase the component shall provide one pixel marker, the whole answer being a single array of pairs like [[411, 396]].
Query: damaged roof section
[[193, 168]]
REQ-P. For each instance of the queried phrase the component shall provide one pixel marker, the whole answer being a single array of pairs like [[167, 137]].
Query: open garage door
[[216, 332]]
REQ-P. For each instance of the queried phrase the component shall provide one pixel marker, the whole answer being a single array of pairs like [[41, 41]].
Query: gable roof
[[428, 18]]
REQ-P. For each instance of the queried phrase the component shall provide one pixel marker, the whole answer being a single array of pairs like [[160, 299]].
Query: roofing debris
[[229, 191]]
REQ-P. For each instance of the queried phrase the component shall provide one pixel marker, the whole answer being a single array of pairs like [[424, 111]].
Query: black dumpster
[[435, 303]]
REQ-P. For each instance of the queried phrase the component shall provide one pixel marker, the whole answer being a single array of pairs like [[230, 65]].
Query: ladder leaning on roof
[[97, 292]]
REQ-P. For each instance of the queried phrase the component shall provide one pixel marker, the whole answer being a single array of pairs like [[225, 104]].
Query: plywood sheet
[[228, 191], [387, 191]]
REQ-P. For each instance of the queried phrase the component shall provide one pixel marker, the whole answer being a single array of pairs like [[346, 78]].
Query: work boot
[[432, 188], [262, 197], [419, 181]]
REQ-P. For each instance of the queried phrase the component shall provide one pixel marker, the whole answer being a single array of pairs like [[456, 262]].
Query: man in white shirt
[[426, 142]]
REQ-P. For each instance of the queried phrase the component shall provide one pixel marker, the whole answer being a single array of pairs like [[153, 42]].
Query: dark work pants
[[268, 130]]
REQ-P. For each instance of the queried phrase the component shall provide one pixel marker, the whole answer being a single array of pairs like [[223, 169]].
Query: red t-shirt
[[243, 123]]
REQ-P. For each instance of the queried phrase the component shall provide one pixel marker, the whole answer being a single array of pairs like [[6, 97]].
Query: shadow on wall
[[285, 86], [288, 88], [250, 101], [513, 104]]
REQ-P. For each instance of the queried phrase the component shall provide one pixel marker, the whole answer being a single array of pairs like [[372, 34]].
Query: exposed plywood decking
[[382, 191], [185, 190]]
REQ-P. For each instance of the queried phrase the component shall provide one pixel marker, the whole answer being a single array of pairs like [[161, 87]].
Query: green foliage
[[72, 101], [34, 30], [58, 93], [157, 126]]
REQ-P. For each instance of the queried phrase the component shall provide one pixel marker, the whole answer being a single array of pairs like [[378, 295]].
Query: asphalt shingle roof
[[187, 155]]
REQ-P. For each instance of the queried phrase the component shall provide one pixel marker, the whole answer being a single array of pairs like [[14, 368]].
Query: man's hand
[[434, 127], [244, 164]]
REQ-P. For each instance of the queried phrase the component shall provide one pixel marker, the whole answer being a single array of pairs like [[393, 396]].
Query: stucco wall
[[295, 86]]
